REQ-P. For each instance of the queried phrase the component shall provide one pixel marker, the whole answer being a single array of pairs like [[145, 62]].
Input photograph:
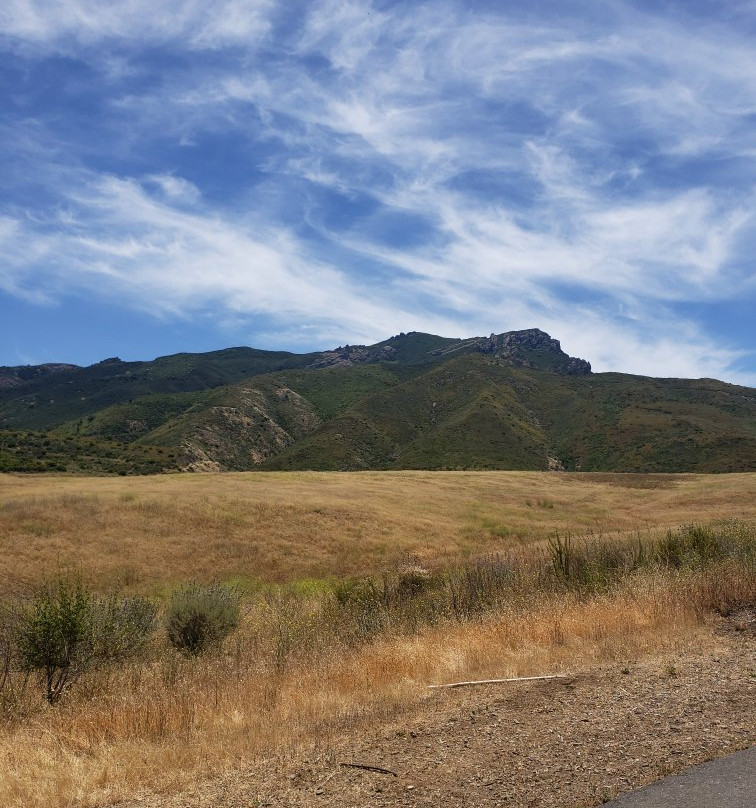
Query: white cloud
[[176, 262], [198, 23], [552, 162], [346, 31], [169, 260], [175, 188]]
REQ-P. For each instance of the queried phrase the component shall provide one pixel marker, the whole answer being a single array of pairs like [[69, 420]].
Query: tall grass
[[309, 660]]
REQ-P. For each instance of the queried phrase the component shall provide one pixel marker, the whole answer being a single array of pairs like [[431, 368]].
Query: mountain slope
[[65, 392], [476, 413], [508, 401]]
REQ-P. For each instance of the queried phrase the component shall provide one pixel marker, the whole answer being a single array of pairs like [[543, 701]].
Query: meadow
[[139, 534], [358, 591]]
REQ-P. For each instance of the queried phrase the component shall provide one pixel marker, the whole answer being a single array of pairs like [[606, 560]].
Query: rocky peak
[[347, 355], [532, 348]]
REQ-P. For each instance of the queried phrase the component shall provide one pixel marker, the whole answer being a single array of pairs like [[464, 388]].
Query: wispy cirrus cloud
[[194, 23], [132, 239], [365, 167]]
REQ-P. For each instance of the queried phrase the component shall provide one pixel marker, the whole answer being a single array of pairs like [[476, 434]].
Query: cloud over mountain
[[305, 173]]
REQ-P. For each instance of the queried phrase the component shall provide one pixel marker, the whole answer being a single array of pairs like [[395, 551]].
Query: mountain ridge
[[513, 400]]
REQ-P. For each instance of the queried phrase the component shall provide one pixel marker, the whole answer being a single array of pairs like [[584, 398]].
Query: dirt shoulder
[[567, 743]]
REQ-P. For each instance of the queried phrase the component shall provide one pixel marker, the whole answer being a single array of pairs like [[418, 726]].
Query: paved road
[[729, 782]]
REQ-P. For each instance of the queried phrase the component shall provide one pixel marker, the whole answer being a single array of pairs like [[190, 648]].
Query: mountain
[[508, 401]]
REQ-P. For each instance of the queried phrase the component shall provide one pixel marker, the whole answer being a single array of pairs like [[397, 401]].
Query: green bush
[[401, 599], [411, 582], [361, 607], [200, 617], [594, 564], [690, 545], [65, 630]]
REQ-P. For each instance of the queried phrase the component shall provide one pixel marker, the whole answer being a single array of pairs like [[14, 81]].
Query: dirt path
[[565, 743]]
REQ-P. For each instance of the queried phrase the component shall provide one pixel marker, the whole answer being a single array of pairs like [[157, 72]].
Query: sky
[[198, 174]]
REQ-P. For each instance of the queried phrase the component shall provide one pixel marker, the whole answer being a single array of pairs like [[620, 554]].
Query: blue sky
[[191, 175]]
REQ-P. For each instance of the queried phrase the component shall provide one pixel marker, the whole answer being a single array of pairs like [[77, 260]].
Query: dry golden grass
[[140, 534], [163, 726], [164, 722]]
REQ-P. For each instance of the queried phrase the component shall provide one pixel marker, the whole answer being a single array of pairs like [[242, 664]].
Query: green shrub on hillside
[[200, 617], [594, 564], [692, 544], [65, 630]]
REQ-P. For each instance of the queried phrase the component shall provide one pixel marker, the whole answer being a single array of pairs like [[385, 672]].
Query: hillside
[[509, 401]]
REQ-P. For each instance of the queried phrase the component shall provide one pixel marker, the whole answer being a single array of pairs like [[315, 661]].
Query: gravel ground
[[567, 743]]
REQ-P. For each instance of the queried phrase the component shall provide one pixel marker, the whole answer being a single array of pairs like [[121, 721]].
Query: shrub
[[199, 617], [402, 600], [361, 608], [122, 626], [412, 581], [594, 565], [690, 545], [479, 585], [66, 630], [562, 556]]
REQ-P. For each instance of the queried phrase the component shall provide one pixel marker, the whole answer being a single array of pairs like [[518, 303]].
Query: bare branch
[[370, 768], [500, 681]]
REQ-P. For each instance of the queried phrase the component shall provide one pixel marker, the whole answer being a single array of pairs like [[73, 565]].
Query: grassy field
[[141, 534], [311, 658]]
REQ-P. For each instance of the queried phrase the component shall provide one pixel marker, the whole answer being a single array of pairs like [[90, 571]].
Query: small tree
[[199, 617], [66, 631]]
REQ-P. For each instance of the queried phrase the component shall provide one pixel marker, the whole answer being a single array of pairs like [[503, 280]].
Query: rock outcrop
[[532, 348], [353, 355]]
